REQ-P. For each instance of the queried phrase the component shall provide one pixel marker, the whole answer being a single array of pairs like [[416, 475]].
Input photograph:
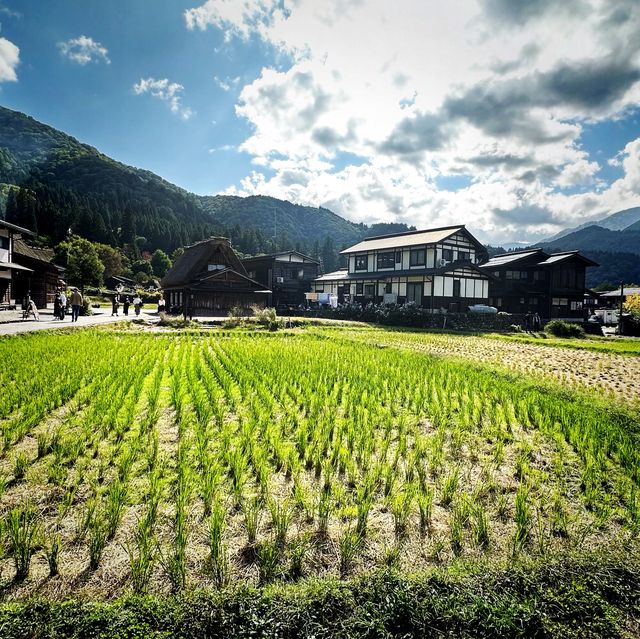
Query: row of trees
[[92, 263], [55, 213]]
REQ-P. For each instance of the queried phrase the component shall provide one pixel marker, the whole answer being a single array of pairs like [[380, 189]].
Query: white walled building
[[434, 268]]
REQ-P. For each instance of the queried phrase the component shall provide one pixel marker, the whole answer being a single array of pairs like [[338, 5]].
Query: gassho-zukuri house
[[434, 268], [209, 279]]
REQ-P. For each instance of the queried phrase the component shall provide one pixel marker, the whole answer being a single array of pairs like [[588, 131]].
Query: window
[[359, 288], [369, 290], [398, 257], [538, 275], [4, 242], [418, 257], [523, 275], [464, 255], [387, 288], [559, 301], [414, 292], [215, 267], [456, 288], [511, 275], [496, 273], [251, 274], [386, 260], [533, 301], [522, 300], [447, 254], [301, 274], [576, 306], [361, 262]]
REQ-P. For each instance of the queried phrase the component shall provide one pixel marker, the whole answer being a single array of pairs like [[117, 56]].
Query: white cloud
[[227, 84], [83, 50], [170, 92], [493, 90], [9, 60]]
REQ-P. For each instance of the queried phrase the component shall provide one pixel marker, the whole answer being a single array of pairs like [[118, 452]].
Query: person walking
[[56, 305], [63, 305], [137, 304], [115, 305], [76, 303], [125, 305]]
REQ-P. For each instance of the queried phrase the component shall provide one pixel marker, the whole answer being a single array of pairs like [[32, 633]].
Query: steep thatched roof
[[192, 264]]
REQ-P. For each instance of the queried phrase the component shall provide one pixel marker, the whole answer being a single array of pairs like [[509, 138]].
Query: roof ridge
[[437, 228]]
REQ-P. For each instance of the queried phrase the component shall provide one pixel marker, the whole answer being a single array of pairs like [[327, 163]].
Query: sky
[[517, 118]]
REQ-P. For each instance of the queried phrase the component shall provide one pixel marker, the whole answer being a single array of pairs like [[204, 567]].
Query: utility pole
[[620, 330]]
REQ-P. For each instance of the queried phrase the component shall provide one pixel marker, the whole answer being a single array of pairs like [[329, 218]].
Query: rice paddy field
[[278, 474]]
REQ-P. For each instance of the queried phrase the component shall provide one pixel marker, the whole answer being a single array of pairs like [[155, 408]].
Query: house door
[[414, 292], [456, 288]]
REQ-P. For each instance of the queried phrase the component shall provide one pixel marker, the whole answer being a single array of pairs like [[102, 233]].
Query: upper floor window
[[398, 257], [386, 260], [216, 267], [361, 262], [4, 242], [464, 255], [418, 257], [447, 254]]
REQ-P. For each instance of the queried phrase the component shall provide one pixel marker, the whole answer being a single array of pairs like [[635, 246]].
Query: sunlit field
[[136, 462]]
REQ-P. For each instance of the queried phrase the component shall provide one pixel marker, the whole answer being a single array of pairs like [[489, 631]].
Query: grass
[[571, 598], [173, 462]]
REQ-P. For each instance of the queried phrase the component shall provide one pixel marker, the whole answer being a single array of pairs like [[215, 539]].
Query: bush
[[267, 317], [559, 328], [86, 307]]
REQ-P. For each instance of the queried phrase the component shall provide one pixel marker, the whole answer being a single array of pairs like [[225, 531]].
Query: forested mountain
[[614, 222], [50, 182]]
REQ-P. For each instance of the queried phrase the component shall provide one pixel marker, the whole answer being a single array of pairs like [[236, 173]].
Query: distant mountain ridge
[[617, 221]]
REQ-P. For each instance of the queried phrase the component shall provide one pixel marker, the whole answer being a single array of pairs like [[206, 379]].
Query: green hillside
[[50, 182]]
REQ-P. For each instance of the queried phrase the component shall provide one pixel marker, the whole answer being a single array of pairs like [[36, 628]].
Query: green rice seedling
[[449, 486], [502, 507], [209, 485], [251, 510], [298, 550], [3, 484], [44, 444], [281, 515], [401, 503], [115, 503], [22, 532], [480, 526], [21, 464], [522, 518], [391, 555], [142, 557], [325, 508], [97, 542], [217, 549], [268, 553], [425, 508], [349, 544], [52, 548], [458, 520]]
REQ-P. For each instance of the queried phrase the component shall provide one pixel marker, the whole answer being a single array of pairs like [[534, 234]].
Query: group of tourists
[[126, 301], [61, 303]]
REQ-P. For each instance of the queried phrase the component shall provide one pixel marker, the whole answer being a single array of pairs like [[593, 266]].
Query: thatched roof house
[[209, 279]]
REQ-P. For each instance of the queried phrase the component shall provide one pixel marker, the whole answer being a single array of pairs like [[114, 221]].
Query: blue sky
[[517, 118]]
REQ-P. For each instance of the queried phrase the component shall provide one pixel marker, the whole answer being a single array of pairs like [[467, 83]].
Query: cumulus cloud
[[167, 91], [83, 50], [497, 91], [9, 60]]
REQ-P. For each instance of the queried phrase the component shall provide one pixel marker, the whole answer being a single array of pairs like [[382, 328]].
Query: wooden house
[[209, 279], [532, 280], [287, 274], [25, 269], [433, 268]]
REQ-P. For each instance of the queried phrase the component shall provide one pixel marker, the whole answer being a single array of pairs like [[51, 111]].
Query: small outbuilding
[[210, 279]]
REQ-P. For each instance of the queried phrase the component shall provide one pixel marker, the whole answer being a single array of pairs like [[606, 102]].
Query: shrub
[[559, 328]]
